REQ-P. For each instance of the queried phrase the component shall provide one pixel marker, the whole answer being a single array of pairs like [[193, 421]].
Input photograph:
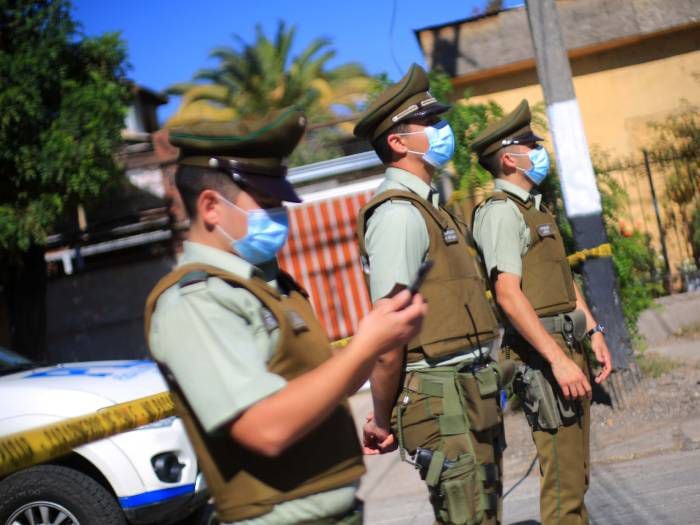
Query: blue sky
[[169, 40]]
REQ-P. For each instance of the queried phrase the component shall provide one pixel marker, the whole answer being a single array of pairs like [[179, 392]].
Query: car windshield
[[12, 362]]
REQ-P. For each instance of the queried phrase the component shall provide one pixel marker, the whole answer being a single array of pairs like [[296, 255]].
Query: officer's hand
[[376, 440], [392, 322], [602, 354], [571, 379]]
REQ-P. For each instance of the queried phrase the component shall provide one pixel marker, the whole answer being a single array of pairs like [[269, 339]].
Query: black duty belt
[[572, 325]]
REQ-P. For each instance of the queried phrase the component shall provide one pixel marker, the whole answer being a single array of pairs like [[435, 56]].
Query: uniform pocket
[[460, 492], [419, 413], [481, 399]]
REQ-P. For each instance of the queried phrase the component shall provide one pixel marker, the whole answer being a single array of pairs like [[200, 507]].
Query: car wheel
[[51, 495]]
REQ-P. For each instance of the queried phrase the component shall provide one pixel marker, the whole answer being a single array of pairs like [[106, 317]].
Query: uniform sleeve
[[209, 337], [396, 241], [498, 231]]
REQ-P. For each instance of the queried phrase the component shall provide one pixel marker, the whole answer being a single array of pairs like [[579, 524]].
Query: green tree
[[634, 259], [676, 149], [253, 78], [62, 107]]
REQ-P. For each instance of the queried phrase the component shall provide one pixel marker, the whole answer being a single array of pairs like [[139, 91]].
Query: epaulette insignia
[[192, 278], [269, 320], [545, 230], [450, 236], [297, 321]]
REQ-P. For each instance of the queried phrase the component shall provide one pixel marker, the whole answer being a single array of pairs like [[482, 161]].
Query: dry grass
[[655, 365]]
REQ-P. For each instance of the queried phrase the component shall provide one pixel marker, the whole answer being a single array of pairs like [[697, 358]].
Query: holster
[[544, 407], [571, 325]]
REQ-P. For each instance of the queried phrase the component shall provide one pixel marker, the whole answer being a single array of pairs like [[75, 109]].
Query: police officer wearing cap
[[437, 396], [547, 314], [248, 364]]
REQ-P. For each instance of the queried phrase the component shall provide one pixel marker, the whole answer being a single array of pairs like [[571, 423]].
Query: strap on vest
[[497, 195], [194, 272], [406, 196], [504, 195]]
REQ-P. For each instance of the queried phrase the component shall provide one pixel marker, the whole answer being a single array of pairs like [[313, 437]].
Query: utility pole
[[581, 196]]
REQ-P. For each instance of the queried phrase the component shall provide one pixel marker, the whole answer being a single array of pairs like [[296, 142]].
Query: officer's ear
[[396, 144], [507, 162], [209, 208]]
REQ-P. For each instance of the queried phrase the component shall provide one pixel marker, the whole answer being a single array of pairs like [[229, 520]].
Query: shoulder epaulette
[[194, 277]]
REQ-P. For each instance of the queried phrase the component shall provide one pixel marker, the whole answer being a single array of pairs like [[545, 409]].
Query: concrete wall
[[98, 314], [619, 90], [502, 40], [672, 316]]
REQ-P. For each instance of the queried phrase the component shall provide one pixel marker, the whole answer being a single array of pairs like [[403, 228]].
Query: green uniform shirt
[[500, 231], [397, 237], [214, 339], [396, 240]]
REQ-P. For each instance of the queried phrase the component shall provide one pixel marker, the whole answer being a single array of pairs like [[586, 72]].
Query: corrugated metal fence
[[323, 255]]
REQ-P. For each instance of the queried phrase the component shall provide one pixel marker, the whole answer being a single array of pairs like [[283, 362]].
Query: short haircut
[[381, 143], [492, 162], [193, 180]]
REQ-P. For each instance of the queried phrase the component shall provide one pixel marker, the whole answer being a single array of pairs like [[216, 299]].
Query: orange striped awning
[[322, 254]]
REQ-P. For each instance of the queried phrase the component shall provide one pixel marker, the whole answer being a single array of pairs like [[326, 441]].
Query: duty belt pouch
[[544, 408], [578, 321], [463, 499], [481, 389]]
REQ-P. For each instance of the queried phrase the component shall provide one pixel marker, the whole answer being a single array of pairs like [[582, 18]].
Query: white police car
[[147, 475]]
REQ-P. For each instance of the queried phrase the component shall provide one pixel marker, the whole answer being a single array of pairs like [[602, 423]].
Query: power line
[[391, 38]]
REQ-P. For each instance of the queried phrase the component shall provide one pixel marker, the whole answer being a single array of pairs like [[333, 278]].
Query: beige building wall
[[620, 90]]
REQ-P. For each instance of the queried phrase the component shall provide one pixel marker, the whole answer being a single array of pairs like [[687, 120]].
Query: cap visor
[[527, 138], [277, 187], [432, 109]]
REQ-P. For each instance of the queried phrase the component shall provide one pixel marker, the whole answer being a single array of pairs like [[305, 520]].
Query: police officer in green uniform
[[443, 388], [248, 364], [546, 313]]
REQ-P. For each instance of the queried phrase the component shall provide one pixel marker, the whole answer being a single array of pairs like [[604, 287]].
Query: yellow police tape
[[603, 250], [42, 444], [340, 343], [38, 445]]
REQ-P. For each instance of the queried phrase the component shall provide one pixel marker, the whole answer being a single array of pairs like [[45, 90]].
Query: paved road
[[664, 489]]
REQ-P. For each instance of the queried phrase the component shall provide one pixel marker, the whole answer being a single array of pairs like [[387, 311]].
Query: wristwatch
[[597, 328]]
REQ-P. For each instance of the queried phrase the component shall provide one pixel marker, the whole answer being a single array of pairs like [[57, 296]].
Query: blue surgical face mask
[[441, 144], [266, 234], [540, 164]]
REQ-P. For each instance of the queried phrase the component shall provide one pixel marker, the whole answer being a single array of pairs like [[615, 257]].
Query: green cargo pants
[[564, 453], [455, 413]]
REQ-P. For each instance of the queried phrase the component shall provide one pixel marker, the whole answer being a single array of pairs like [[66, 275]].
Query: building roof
[[156, 98], [501, 40]]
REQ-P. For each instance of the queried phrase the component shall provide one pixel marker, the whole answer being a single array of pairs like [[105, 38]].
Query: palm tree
[[252, 79]]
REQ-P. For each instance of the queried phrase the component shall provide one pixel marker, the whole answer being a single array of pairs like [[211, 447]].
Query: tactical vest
[[244, 484], [460, 315], [547, 281]]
